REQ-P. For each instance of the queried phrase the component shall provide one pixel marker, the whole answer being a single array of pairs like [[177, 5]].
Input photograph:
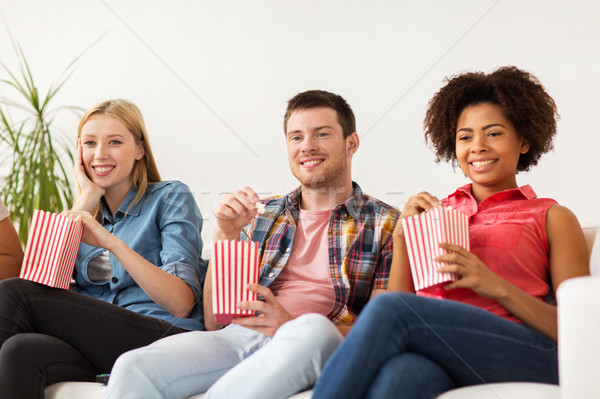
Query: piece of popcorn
[[260, 207]]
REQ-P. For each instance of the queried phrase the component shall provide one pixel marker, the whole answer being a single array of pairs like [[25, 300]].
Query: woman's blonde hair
[[144, 170]]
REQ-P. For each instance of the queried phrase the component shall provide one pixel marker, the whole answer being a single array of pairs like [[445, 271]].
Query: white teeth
[[481, 164], [103, 169], [312, 162]]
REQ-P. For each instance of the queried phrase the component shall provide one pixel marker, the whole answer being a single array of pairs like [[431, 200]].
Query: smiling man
[[326, 249]]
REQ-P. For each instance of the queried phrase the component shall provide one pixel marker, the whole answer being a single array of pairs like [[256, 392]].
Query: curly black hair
[[520, 95]]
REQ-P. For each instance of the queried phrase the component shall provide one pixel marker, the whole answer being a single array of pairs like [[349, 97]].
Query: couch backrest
[[592, 236]]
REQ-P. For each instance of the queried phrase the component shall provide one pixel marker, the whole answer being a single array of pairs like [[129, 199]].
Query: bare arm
[[400, 275], [568, 258], [210, 322], [11, 253], [167, 290]]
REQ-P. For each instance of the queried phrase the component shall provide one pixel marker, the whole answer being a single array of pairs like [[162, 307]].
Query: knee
[[414, 375], [21, 352], [127, 365], [15, 291], [311, 332], [18, 363], [379, 308], [418, 370], [309, 325], [386, 301], [15, 349], [13, 286]]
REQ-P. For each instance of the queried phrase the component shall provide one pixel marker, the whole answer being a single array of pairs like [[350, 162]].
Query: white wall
[[212, 79]]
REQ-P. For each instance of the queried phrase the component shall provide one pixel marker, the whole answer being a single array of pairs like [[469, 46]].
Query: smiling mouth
[[103, 169], [312, 162], [481, 164]]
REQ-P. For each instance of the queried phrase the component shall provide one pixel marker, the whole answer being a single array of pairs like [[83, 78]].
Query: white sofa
[[579, 351], [578, 344]]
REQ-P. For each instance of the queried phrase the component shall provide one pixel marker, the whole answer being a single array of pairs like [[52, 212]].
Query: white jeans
[[234, 362]]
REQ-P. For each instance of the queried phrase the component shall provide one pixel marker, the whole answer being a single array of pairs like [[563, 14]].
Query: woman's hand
[[474, 273], [416, 204], [90, 191], [400, 278], [419, 203], [93, 232]]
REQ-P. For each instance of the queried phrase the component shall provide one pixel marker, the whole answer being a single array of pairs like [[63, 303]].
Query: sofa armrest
[[579, 337]]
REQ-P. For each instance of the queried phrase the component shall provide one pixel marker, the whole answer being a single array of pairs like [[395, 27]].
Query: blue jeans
[[234, 362], [416, 347]]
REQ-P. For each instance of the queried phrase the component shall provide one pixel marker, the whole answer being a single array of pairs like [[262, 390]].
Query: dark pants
[[410, 346], [49, 335]]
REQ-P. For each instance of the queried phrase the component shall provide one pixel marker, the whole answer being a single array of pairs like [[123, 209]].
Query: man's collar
[[353, 204]]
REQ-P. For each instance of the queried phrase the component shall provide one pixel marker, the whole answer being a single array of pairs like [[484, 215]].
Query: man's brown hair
[[321, 98]]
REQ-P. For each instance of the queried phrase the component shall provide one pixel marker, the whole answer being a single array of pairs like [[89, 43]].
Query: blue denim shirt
[[164, 228]]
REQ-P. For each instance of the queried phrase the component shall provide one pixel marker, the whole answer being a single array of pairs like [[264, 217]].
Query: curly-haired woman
[[492, 324]]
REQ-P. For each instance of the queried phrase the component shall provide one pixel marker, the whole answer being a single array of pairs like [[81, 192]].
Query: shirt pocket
[[499, 233]]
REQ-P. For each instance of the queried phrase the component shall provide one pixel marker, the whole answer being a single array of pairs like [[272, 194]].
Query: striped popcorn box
[[424, 232], [52, 249], [234, 265]]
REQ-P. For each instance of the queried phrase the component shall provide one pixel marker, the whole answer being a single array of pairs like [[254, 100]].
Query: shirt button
[[114, 280], [288, 250], [271, 274]]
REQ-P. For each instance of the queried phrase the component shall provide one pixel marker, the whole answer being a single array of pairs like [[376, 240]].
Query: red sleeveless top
[[508, 233]]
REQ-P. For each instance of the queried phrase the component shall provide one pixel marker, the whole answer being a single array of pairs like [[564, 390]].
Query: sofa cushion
[[505, 390], [94, 390]]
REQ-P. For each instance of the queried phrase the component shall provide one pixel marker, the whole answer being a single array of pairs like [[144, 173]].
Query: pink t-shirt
[[508, 233], [304, 285]]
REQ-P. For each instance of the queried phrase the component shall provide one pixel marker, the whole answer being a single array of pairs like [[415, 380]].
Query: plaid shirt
[[360, 246]]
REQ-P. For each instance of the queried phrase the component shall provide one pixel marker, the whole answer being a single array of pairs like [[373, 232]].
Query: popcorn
[[51, 249], [424, 232], [234, 265], [260, 207]]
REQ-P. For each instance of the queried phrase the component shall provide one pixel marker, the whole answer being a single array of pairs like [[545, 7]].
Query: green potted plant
[[38, 156]]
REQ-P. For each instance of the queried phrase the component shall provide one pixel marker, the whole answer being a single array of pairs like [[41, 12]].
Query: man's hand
[[272, 316], [234, 211]]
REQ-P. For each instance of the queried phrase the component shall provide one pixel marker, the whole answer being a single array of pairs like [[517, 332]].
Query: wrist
[[114, 244], [86, 202], [220, 235], [82, 204]]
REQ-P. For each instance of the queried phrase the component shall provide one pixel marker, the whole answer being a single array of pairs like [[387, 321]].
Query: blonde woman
[[138, 271]]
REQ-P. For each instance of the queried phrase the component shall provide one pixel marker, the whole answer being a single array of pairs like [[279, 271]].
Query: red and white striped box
[[52, 249], [423, 233], [234, 265]]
